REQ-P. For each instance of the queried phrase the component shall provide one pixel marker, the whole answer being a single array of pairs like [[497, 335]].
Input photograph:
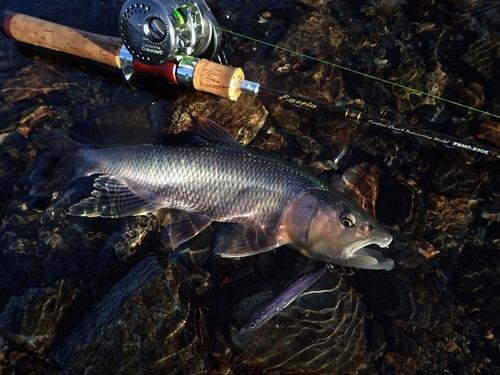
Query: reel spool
[[155, 31]]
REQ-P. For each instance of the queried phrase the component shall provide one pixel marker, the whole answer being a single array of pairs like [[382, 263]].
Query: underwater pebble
[[451, 347]]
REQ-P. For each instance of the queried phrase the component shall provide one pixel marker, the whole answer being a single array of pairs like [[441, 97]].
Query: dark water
[[99, 296]]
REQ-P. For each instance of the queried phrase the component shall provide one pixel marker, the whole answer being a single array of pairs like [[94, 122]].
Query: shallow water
[[106, 296]]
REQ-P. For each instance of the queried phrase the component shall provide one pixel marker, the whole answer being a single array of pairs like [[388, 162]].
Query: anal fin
[[113, 198], [249, 238]]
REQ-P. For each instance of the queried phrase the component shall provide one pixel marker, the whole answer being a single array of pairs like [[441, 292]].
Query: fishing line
[[357, 72]]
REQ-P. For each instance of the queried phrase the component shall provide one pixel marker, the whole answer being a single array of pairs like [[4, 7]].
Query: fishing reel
[[155, 31]]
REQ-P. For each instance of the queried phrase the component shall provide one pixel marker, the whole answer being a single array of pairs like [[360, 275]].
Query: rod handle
[[217, 79], [30, 30]]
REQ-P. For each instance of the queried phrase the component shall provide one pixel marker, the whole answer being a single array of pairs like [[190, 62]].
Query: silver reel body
[[155, 31]]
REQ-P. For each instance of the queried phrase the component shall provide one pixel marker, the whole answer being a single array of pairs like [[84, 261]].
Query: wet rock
[[411, 77], [394, 150], [270, 142], [455, 176], [34, 118], [243, 119], [35, 329], [469, 99], [361, 184], [435, 85], [19, 362], [31, 82], [426, 249], [484, 56], [449, 217], [318, 81], [490, 212], [490, 132], [141, 316], [135, 236], [334, 332]]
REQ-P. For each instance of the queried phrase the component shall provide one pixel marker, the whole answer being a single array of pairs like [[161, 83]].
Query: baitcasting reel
[[155, 31]]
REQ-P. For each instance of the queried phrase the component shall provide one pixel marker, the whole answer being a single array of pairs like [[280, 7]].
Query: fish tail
[[58, 167]]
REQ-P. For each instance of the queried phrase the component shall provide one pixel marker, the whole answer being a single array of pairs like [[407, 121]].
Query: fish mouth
[[351, 250]]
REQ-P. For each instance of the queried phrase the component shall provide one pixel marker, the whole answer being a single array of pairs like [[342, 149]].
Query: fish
[[216, 179]]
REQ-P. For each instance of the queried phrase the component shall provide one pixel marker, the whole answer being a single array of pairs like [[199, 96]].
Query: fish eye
[[348, 220]]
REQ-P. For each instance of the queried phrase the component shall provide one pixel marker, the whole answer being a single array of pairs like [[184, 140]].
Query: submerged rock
[[321, 332], [33, 81], [133, 320]]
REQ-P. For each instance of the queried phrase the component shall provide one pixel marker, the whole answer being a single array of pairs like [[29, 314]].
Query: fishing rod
[[174, 41], [374, 120]]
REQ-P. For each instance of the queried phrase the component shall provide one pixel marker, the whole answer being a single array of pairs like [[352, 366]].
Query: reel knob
[[155, 30]]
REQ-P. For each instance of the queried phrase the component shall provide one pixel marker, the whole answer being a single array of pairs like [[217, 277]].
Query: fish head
[[329, 227]]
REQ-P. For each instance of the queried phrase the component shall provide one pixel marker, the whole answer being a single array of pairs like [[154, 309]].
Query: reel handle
[[30, 30]]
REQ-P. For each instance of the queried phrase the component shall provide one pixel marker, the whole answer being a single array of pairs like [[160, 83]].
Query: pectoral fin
[[185, 225], [367, 259], [247, 239], [113, 197]]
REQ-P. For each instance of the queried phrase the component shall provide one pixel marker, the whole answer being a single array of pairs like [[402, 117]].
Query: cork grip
[[217, 79], [40, 33]]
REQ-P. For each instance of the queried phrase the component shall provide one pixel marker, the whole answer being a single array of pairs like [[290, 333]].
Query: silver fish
[[273, 202]]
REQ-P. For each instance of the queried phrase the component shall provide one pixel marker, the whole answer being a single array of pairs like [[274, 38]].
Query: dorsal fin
[[210, 131]]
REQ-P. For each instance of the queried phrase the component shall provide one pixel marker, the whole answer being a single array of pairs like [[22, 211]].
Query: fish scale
[[222, 181]]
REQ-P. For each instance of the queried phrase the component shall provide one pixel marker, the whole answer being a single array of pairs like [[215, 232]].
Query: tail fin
[[56, 169]]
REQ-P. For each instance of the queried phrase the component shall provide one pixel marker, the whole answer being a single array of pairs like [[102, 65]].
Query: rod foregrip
[[34, 31], [217, 79]]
